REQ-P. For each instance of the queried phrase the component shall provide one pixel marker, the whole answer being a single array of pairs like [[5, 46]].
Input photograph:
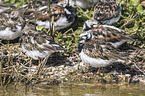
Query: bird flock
[[100, 43]]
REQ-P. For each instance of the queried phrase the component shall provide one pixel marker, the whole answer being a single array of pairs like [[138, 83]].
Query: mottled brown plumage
[[42, 16], [38, 44], [99, 45], [11, 23], [107, 12]]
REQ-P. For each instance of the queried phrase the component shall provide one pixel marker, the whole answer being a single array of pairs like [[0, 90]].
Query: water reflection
[[74, 90]]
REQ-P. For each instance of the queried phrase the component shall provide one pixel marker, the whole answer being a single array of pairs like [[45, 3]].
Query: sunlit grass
[[132, 22]]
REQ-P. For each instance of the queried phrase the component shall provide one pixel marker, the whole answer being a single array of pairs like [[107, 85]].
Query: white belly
[[7, 34], [35, 54], [95, 62]]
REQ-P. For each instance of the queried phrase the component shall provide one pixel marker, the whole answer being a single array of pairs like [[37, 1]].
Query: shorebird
[[42, 16], [97, 53], [107, 12], [37, 44], [85, 4], [113, 35], [99, 45], [11, 23]]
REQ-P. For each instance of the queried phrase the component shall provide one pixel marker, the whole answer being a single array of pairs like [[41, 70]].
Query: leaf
[[140, 8], [12, 1], [134, 2]]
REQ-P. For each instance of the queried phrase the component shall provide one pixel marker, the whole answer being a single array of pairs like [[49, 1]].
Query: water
[[83, 89]]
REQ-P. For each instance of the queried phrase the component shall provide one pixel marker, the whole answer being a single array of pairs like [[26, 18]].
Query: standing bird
[[97, 53], [11, 23], [37, 44], [41, 15], [85, 4], [99, 45], [113, 35], [107, 12]]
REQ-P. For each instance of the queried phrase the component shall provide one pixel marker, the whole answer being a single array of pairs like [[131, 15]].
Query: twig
[[136, 64], [42, 65]]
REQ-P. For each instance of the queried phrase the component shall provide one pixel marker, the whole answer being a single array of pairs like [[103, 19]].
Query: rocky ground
[[67, 67]]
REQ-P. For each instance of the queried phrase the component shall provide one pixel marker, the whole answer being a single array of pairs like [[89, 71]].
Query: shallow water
[[83, 89]]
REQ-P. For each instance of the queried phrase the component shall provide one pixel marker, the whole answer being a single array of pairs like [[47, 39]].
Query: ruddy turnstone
[[4, 6], [63, 16], [99, 44], [38, 3], [11, 24], [107, 12], [37, 44], [97, 53], [113, 35], [85, 4]]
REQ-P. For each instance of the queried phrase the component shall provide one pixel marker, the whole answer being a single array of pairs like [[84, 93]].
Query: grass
[[19, 68]]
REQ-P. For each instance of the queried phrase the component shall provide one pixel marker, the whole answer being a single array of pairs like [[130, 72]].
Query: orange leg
[[39, 63], [98, 69]]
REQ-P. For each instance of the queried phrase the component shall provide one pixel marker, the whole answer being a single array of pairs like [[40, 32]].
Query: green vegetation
[[132, 22]]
